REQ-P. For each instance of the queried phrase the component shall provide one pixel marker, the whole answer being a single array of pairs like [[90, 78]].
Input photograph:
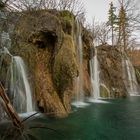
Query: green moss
[[104, 92], [138, 75], [66, 15], [67, 19], [65, 66]]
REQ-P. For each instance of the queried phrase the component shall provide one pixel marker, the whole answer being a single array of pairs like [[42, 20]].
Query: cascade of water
[[18, 87], [94, 75], [3, 114], [2, 15], [80, 96], [79, 81], [129, 77], [16, 84], [5, 40]]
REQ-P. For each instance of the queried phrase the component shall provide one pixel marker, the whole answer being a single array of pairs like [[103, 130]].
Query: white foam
[[97, 101], [80, 104], [135, 94], [23, 115]]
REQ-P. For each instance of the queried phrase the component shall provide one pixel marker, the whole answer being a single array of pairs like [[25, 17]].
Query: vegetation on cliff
[[46, 40]]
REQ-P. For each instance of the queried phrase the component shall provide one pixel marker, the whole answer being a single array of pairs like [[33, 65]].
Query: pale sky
[[98, 9]]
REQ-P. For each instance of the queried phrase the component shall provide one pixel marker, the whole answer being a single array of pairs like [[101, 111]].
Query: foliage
[[122, 26], [127, 23], [112, 20]]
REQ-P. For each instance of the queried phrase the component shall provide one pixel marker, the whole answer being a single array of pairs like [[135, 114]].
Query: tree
[[100, 32], [74, 6], [112, 20], [123, 27], [3, 4], [128, 22]]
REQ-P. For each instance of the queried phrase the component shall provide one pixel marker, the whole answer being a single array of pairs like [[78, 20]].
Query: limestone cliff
[[111, 72], [135, 58], [46, 40]]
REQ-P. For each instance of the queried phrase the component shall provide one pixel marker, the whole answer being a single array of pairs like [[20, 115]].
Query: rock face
[[135, 58], [45, 40], [111, 73]]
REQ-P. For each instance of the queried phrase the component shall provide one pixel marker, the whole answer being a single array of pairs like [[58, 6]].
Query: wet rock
[[65, 66], [111, 73], [137, 70], [45, 41], [104, 91]]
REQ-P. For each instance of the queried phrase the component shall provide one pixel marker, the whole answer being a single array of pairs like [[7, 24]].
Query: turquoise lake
[[117, 119]]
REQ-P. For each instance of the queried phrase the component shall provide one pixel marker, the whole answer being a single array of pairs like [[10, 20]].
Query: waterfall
[[80, 95], [94, 75], [79, 101], [129, 77], [18, 87], [16, 82], [12, 72], [5, 39], [95, 79]]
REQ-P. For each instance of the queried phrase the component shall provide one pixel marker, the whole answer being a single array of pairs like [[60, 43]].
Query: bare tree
[[100, 32], [74, 6], [3, 3], [25, 5], [49, 4]]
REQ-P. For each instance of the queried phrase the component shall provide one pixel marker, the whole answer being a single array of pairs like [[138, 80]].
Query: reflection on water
[[117, 120]]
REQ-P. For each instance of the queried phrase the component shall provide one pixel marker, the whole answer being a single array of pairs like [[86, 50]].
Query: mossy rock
[[138, 75], [65, 66], [67, 19], [41, 22], [4, 67], [66, 15], [104, 92]]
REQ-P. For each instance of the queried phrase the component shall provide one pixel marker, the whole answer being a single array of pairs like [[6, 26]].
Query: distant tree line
[[122, 25]]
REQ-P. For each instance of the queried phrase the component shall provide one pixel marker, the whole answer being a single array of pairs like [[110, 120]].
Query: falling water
[[16, 83], [94, 75], [79, 81], [5, 40], [95, 80], [80, 96], [129, 77], [18, 86]]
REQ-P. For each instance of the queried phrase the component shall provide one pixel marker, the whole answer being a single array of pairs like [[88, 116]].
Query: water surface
[[117, 120]]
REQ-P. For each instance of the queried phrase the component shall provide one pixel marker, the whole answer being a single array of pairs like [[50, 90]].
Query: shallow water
[[115, 120]]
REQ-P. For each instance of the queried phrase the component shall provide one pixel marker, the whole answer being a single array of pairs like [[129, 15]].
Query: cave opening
[[47, 40]]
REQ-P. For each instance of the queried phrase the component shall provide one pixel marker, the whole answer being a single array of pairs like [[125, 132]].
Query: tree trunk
[[9, 108]]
